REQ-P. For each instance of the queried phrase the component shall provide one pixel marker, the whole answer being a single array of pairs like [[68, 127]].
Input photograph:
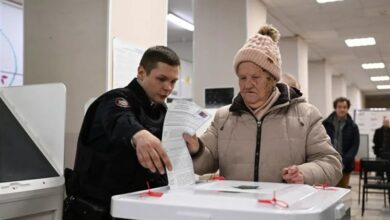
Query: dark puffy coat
[[351, 140]]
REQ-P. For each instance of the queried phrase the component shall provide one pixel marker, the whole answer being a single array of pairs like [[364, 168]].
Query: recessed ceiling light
[[379, 78], [327, 1], [358, 42], [368, 66], [383, 86], [180, 22], [378, 109]]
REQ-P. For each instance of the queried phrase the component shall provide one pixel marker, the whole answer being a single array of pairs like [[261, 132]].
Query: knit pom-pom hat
[[263, 50]]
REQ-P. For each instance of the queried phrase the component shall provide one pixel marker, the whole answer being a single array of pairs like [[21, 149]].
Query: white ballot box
[[32, 129], [221, 200]]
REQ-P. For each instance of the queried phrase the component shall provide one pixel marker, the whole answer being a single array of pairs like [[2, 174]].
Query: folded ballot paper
[[182, 117]]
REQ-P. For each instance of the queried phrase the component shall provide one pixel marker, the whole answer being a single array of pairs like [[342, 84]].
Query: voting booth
[[221, 200], [32, 128]]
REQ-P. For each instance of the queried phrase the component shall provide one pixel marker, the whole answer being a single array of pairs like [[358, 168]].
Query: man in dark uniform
[[119, 147]]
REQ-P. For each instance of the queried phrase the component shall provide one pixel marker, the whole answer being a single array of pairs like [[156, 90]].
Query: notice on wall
[[368, 120], [126, 58], [11, 44]]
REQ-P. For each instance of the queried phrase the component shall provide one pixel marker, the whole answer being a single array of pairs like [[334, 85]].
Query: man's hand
[[292, 174], [150, 153], [192, 143]]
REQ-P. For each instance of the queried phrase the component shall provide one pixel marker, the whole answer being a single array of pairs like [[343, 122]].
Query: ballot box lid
[[235, 200], [32, 120]]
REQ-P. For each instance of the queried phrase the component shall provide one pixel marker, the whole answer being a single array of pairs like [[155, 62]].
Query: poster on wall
[[126, 58], [11, 44], [368, 120], [183, 87]]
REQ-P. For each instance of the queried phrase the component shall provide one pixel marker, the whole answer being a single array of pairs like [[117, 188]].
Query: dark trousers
[[344, 182]]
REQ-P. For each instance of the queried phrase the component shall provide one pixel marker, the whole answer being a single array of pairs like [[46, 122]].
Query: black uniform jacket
[[106, 162]]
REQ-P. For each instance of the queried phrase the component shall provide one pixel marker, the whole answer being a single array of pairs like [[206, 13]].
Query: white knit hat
[[263, 50]]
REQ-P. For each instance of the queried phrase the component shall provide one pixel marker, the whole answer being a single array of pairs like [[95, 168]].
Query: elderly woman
[[269, 133]]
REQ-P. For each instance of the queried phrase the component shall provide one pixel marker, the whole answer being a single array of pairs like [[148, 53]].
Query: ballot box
[[32, 128], [221, 200]]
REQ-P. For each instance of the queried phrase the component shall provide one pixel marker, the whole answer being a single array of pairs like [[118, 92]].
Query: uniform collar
[[141, 95]]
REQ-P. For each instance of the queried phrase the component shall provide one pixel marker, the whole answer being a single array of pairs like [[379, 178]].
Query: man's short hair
[[156, 54], [341, 99]]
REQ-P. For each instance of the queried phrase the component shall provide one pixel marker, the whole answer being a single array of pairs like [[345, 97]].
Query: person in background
[[345, 137], [119, 148], [269, 133], [290, 80], [382, 139]]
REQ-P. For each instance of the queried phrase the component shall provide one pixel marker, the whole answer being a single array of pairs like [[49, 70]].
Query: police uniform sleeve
[[119, 119]]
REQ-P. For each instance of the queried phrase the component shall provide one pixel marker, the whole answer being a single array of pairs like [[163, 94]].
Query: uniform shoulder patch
[[121, 102]]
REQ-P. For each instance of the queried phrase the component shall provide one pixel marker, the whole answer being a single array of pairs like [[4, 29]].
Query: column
[[355, 96], [339, 87], [221, 28], [294, 52], [320, 86]]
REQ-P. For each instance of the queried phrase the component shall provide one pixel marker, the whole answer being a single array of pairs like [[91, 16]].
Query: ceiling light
[[180, 22], [378, 109], [383, 86], [358, 42], [379, 78], [368, 66], [327, 1]]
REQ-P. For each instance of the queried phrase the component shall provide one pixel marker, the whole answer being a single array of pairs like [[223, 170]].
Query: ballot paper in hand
[[182, 117]]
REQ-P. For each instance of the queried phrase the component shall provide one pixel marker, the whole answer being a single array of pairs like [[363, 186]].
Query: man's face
[[255, 84], [159, 83], [386, 122], [341, 109]]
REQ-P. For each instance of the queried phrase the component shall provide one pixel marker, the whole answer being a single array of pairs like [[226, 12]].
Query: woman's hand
[[192, 143]]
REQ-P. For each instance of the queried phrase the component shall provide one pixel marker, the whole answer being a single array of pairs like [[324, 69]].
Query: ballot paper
[[182, 117]]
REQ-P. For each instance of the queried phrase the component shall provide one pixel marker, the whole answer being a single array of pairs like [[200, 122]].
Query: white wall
[[255, 16], [303, 59], [355, 96], [294, 53], [320, 86], [339, 87], [183, 49], [217, 38], [142, 23], [66, 41], [71, 42]]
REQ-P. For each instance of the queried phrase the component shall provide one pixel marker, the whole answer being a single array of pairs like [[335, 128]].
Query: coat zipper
[[259, 124], [257, 154]]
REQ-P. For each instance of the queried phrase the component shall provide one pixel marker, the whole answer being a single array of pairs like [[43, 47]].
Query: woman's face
[[256, 85]]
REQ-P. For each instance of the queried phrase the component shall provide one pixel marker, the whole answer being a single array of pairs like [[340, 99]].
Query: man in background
[[345, 136], [382, 139]]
